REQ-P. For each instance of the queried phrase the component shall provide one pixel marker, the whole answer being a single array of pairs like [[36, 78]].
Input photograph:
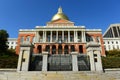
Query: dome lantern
[[59, 15]]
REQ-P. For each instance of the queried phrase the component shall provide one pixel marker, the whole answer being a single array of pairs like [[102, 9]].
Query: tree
[[3, 41]]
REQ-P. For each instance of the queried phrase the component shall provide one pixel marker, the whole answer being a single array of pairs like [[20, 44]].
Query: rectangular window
[[95, 59], [12, 43]]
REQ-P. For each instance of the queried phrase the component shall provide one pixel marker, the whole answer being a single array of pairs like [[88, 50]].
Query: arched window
[[66, 49], [21, 39], [72, 48], [39, 48], [28, 38]]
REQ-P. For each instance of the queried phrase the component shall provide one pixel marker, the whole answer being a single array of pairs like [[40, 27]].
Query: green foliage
[[111, 62], [112, 59], [113, 53], [3, 40], [9, 59]]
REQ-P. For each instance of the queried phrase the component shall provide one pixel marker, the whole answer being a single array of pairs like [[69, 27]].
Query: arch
[[53, 49], [47, 48], [60, 49], [72, 48], [80, 49], [66, 49], [39, 48]]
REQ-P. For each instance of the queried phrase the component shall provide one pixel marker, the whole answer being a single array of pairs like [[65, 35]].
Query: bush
[[113, 53], [111, 62], [9, 59]]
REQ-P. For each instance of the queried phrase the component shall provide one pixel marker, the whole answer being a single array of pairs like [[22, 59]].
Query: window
[[22, 39], [105, 47], [28, 38], [95, 55], [89, 38], [112, 42], [11, 47], [113, 47], [116, 42], [12, 42], [109, 47], [117, 46], [95, 59]]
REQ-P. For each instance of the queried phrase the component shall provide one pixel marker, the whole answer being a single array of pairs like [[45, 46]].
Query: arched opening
[[66, 49], [47, 48], [80, 49], [72, 48], [53, 49], [39, 48], [60, 49]]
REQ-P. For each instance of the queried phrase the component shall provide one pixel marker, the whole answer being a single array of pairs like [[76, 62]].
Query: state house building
[[60, 36]]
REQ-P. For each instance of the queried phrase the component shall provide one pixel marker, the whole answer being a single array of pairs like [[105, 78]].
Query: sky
[[26, 14]]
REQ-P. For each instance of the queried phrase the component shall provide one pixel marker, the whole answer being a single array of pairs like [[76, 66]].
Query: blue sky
[[26, 14]]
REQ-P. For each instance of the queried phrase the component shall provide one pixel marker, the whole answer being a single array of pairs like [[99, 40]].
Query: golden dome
[[59, 15]]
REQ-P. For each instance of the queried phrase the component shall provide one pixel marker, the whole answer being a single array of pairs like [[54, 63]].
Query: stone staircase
[[69, 75]]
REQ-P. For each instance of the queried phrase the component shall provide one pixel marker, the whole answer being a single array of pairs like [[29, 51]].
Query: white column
[[44, 63], [37, 36], [117, 31], [82, 36], [68, 36], [92, 63], [113, 32], [43, 39], [99, 62], [56, 35], [19, 67], [63, 35], [74, 36], [74, 61], [51, 36]]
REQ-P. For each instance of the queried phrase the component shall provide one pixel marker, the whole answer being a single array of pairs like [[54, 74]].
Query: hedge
[[111, 62]]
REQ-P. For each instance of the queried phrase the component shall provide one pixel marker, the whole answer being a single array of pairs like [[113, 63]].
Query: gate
[[60, 62], [83, 62], [36, 63]]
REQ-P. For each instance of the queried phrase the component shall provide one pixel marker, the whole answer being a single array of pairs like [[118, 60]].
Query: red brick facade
[[78, 47]]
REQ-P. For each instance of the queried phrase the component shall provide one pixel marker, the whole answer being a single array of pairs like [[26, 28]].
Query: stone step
[[69, 75]]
